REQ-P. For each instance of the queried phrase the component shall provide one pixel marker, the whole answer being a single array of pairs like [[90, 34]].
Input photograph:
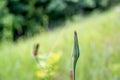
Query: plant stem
[[75, 54], [73, 68]]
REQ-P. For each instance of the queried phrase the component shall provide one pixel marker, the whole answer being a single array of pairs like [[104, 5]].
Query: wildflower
[[36, 50], [75, 53], [40, 74], [54, 58], [35, 53]]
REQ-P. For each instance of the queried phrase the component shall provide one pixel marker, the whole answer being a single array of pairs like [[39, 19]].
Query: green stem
[[74, 67]]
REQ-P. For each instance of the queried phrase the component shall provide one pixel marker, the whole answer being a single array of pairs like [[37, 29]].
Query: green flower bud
[[75, 54]]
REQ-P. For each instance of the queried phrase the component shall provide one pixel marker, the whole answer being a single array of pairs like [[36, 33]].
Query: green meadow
[[99, 41]]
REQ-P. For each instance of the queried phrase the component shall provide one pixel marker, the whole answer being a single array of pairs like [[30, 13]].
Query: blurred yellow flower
[[114, 68], [55, 57], [40, 74]]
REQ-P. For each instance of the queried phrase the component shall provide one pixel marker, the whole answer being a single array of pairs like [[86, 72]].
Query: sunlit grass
[[99, 40]]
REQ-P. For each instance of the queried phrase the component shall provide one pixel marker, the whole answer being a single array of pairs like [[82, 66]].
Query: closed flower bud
[[75, 53], [35, 53]]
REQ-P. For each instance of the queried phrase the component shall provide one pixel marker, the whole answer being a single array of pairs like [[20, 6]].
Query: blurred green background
[[51, 23]]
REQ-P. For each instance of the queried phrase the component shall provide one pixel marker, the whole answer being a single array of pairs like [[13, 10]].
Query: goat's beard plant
[[47, 64], [46, 72], [75, 54]]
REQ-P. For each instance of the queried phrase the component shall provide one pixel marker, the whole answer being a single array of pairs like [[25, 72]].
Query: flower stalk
[[75, 54]]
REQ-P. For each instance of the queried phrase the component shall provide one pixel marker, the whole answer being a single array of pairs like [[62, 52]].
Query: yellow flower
[[54, 58], [40, 74]]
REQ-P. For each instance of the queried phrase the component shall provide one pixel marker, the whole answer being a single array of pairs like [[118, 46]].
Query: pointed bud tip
[[75, 32], [37, 45], [36, 49]]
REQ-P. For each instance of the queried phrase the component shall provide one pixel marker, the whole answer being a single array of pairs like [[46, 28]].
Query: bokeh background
[[51, 24]]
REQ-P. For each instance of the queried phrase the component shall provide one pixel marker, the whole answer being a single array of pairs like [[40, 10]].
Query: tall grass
[[99, 40]]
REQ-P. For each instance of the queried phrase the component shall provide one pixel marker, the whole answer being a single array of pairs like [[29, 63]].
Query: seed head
[[35, 53]]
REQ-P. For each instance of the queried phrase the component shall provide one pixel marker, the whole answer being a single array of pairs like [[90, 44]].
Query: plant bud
[[75, 53], [35, 53]]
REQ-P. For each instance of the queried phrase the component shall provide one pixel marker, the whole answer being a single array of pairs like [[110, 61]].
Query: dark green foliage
[[28, 17]]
